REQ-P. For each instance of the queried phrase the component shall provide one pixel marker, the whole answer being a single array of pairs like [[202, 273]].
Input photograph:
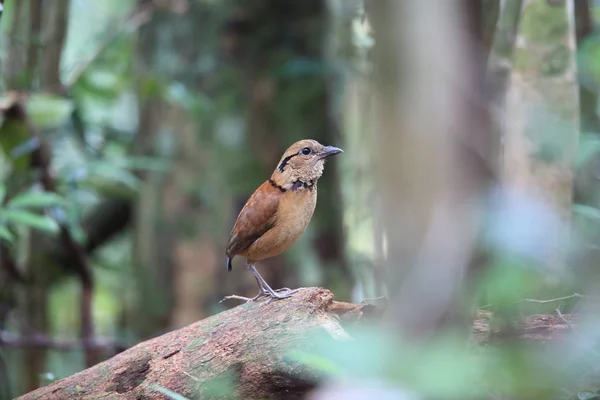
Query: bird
[[278, 212]]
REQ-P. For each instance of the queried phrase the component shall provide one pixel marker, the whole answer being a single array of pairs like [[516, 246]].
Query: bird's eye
[[306, 151]]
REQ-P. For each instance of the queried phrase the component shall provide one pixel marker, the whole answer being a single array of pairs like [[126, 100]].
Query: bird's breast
[[296, 210], [293, 215]]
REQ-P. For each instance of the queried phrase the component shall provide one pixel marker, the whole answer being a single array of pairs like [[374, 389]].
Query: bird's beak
[[330, 151]]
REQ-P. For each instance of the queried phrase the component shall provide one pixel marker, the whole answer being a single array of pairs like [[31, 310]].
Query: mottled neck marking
[[276, 186], [302, 185]]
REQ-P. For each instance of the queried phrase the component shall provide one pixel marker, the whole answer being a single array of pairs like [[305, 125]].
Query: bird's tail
[[229, 266]]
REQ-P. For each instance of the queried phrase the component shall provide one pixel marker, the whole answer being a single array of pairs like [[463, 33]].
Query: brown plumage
[[279, 211]]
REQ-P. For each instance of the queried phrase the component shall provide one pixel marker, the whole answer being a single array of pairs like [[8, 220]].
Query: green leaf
[[110, 172], [151, 87], [145, 163], [589, 145], [36, 200], [586, 211], [167, 392], [102, 85], [588, 396], [108, 188], [48, 111], [2, 192], [13, 133], [5, 234], [31, 220]]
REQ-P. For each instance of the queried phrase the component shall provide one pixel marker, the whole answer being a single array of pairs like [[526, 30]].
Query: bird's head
[[303, 161]]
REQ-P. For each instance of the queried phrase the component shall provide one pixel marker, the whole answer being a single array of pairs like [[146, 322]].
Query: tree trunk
[[435, 160], [245, 349]]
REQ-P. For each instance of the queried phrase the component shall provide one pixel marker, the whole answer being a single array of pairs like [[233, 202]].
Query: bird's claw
[[278, 294], [282, 293]]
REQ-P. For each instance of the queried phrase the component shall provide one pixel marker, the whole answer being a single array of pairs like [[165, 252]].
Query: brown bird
[[278, 212]]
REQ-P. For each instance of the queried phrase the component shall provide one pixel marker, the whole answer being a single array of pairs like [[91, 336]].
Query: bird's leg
[[261, 293], [266, 289]]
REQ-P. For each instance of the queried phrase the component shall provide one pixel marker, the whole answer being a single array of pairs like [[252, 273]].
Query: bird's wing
[[256, 218]]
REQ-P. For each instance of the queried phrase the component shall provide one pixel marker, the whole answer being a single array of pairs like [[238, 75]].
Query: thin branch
[[573, 296], [9, 340], [562, 317]]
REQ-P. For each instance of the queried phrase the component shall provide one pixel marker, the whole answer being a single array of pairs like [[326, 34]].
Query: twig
[[573, 296], [561, 316], [8, 340], [236, 297]]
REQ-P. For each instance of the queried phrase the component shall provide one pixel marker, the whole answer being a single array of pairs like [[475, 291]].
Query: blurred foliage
[[18, 212], [544, 23], [92, 129]]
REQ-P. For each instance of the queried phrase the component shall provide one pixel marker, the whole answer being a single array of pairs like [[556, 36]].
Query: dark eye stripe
[[285, 161], [306, 151]]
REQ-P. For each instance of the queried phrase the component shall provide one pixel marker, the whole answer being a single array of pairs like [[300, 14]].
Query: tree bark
[[248, 344]]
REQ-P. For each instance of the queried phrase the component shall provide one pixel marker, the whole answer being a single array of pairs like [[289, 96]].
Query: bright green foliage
[[36, 200], [47, 111], [20, 211], [14, 138], [587, 211]]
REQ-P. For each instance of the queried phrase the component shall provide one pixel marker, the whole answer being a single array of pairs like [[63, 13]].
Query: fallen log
[[244, 347]]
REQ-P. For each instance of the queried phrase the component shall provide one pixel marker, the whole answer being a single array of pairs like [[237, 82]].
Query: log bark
[[247, 347]]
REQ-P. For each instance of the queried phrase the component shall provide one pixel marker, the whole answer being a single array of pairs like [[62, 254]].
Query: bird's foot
[[279, 294]]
